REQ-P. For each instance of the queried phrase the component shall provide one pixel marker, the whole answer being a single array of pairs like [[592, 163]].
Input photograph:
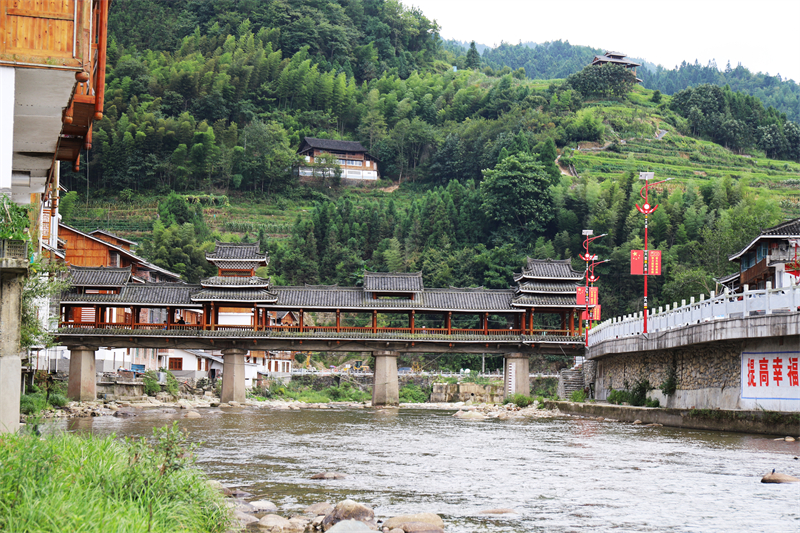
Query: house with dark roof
[[616, 58], [103, 249], [770, 257], [349, 156]]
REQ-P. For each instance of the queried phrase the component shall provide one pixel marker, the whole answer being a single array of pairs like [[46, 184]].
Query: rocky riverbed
[[191, 407]]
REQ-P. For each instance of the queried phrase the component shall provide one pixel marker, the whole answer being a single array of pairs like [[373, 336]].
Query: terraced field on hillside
[[686, 159]]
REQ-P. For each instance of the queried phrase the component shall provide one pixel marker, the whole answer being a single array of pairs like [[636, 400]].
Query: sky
[[762, 35]]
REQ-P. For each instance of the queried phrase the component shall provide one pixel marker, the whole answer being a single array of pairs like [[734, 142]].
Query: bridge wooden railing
[[318, 330]]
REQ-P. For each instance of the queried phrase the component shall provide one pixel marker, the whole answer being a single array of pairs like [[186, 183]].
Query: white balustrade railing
[[726, 305]]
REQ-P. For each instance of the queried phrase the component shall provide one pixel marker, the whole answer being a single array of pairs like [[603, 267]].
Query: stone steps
[[569, 381]]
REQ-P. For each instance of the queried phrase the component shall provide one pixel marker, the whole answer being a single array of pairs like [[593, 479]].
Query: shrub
[[30, 404], [670, 384], [519, 399], [57, 399], [151, 386], [173, 387], [652, 402], [618, 397], [411, 393], [578, 396]]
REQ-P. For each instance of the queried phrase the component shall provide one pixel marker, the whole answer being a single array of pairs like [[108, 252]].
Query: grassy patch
[[411, 393], [519, 399], [92, 484]]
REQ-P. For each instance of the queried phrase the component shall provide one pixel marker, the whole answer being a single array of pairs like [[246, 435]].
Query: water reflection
[[558, 474]]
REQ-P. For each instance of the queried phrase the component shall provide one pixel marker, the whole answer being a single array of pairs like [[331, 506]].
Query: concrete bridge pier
[[516, 369], [385, 390], [82, 385], [12, 273], [233, 375]]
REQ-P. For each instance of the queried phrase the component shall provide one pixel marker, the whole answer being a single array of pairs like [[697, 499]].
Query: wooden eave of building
[[786, 230]]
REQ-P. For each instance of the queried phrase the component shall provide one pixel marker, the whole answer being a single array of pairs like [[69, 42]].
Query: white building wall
[[7, 85]]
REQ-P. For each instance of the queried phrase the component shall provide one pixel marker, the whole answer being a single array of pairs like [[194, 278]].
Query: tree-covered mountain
[[215, 97]]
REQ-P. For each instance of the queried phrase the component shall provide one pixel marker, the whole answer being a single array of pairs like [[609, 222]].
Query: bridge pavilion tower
[[548, 287], [235, 289]]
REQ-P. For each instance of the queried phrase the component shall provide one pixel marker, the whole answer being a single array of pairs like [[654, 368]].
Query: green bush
[[57, 399], [578, 396], [618, 397], [519, 399], [345, 392], [151, 386], [96, 484], [411, 393], [670, 384], [637, 396], [652, 402], [173, 387], [30, 404]]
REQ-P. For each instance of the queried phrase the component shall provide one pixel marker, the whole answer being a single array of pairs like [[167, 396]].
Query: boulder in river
[[264, 505], [470, 415], [244, 518], [317, 509], [273, 521], [192, 414], [420, 527], [349, 526], [329, 475], [774, 477], [349, 510], [427, 518]]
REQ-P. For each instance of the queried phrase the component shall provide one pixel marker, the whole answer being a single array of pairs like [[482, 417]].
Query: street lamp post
[[591, 261], [646, 209]]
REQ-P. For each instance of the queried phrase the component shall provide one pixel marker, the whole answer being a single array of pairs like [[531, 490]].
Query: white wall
[[7, 84]]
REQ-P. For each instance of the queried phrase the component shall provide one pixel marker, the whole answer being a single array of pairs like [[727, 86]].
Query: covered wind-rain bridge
[[391, 313]]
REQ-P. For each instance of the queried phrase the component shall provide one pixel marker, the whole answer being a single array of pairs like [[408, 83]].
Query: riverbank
[[69, 482], [760, 422]]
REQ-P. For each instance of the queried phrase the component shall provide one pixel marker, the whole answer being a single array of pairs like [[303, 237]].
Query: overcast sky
[[762, 35]]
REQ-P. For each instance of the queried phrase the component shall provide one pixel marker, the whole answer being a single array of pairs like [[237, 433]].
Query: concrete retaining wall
[[764, 422], [118, 390], [708, 375], [462, 392]]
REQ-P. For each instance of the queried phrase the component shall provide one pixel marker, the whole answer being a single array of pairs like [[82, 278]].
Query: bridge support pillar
[[82, 385], [385, 390], [10, 362], [233, 375], [516, 369]]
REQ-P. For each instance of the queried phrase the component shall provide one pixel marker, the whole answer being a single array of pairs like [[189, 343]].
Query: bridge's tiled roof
[[393, 282], [234, 295], [99, 276], [472, 300], [177, 294], [786, 230], [537, 286], [536, 301], [229, 251], [236, 281], [548, 269]]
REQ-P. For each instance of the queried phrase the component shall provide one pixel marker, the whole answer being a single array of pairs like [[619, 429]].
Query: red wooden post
[[301, 321], [411, 321], [374, 321], [485, 323], [449, 322], [338, 321]]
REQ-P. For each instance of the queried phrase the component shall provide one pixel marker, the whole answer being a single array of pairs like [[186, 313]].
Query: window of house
[[176, 363], [199, 364], [355, 163], [113, 259]]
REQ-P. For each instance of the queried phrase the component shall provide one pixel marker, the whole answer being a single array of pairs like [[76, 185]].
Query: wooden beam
[[338, 321]]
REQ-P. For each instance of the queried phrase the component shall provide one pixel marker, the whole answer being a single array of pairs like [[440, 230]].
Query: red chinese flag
[[654, 262], [581, 295], [637, 262]]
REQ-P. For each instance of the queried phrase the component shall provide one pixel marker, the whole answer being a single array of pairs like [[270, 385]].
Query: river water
[[559, 474]]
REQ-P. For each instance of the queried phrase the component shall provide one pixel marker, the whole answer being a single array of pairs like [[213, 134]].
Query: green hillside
[[207, 103]]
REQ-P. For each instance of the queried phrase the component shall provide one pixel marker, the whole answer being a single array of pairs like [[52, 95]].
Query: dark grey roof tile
[[99, 276], [393, 282]]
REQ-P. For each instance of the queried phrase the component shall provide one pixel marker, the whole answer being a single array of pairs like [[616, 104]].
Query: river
[[559, 474]]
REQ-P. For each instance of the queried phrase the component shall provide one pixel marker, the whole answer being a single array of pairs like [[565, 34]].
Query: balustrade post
[[767, 308]]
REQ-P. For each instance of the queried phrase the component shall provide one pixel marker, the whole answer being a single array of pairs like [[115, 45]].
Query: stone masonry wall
[[698, 367]]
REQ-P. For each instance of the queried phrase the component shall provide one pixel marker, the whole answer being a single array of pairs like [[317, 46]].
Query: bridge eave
[[515, 345]]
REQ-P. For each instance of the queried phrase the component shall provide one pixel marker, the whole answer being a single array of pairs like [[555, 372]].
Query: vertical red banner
[[593, 296], [654, 262], [594, 312], [637, 262]]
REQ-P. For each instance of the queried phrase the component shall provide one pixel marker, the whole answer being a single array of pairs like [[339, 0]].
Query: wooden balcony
[[61, 35]]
